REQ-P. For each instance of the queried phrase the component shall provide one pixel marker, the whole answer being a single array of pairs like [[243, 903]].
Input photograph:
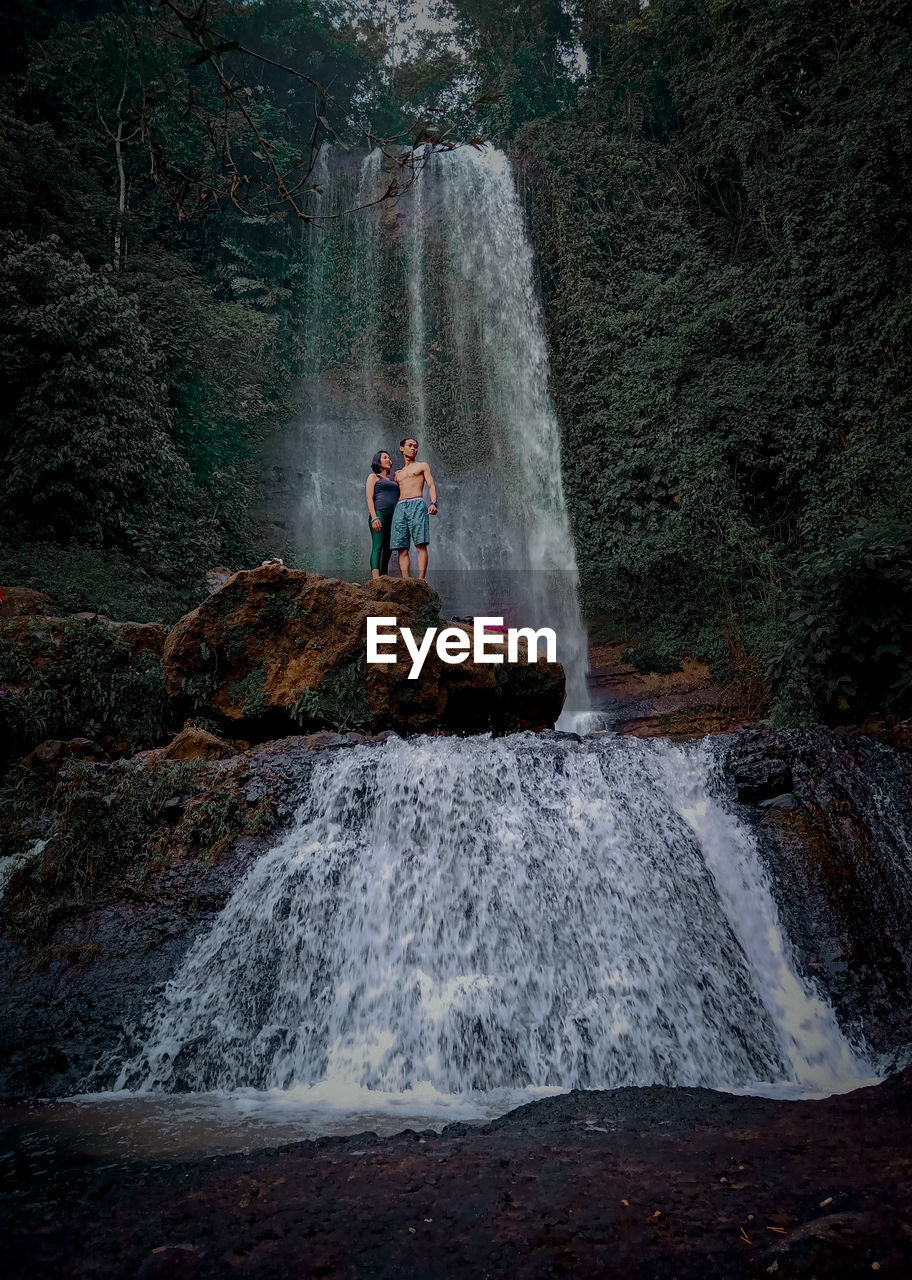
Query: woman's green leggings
[[380, 544]]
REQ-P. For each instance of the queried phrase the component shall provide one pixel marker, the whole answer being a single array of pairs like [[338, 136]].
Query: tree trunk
[[119, 243]]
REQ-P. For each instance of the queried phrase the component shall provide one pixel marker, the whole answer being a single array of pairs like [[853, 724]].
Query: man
[[410, 516]]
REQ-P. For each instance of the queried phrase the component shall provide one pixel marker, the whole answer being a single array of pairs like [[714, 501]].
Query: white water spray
[[456, 915]]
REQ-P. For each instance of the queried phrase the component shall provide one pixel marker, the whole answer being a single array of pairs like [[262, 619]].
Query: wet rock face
[[681, 705], [64, 1007], [837, 839], [762, 780], [274, 650]]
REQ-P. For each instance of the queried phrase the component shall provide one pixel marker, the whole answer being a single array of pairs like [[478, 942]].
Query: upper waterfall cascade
[[423, 320], [486, 914]]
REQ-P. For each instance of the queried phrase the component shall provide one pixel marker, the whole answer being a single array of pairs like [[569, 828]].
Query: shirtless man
[[410, 516]]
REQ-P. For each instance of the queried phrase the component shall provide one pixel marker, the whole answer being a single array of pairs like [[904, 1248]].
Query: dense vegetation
[[721, 210], [724, 230]]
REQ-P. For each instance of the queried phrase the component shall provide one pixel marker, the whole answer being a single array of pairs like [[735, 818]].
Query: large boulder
[[275, 650], [193, 743], [50, 755]]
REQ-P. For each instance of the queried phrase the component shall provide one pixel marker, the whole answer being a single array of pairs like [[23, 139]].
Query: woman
[[382, 494]]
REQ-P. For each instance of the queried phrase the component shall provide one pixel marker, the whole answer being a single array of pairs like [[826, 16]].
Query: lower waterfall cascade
[[485, 914]]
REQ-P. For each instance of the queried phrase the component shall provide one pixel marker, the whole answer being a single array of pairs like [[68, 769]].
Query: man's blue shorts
[[410, 524]]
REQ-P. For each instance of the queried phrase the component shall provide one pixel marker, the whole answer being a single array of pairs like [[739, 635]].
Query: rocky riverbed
[[642, 1183]]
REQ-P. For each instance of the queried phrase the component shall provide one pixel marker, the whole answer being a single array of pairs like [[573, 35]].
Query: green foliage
[[137, 397], [87, 453], [427, 613], [102, 580], [339, 44], [523, 54], [104, 823], [77, 678], [200, 687], [107, 833], [724, 237], [248, 693], [224, 387], [339, 702], [850, 638], [35, 166]]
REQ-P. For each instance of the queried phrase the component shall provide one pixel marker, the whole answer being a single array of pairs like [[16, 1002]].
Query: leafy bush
[[850, 642], [104, 580], [78, 678], [339, 702], [87, 452]]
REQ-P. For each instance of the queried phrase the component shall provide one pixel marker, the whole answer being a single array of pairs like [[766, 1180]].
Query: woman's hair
[[375, 461]]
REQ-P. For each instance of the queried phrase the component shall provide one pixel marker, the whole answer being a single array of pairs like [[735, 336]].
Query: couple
[[398, 516]]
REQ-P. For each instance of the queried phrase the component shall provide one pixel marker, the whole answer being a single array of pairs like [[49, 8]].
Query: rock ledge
[[275, 651]]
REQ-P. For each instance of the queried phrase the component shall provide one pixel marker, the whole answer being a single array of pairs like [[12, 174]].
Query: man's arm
[[431, 485]]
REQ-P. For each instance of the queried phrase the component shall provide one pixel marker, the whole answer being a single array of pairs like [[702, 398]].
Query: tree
[[231, 103], [523, 54], [87, 451]]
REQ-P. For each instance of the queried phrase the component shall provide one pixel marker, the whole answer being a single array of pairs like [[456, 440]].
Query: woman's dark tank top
[[386, 495]]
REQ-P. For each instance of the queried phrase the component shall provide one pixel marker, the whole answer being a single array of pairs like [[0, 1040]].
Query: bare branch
[[193, 27]]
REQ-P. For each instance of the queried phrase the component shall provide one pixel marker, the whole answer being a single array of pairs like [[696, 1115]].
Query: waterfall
[[422, 319], [456, 917], [367, 264], [416, 260], [498, 914]]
